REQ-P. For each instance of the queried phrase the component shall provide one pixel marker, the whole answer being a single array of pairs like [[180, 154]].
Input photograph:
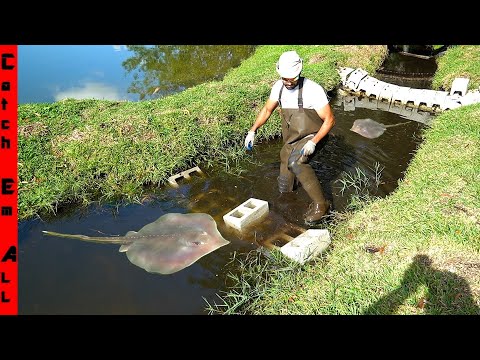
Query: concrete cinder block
[[354, 79], [472, 97], [307, 245], [246, 213], [413, 97], [172, 180], [344, 72], [386, 95], [418, 115], [427, 98], [370, 87], [439, 99], [400, 96], [459, 86]]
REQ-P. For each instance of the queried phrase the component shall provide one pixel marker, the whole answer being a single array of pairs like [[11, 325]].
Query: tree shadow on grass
[[447, 293]]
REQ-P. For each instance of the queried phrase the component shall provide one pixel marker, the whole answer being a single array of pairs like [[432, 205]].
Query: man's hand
[[249, 140], [308, 148]]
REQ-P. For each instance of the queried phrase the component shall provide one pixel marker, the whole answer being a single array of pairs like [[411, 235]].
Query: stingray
[[167, 245], [370, 128]]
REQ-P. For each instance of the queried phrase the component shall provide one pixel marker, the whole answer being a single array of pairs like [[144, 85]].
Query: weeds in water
[[359, 180], [250, 277], [377, 170]]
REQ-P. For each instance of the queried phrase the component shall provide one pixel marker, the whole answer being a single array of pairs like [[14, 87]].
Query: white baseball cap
[[289, 65]]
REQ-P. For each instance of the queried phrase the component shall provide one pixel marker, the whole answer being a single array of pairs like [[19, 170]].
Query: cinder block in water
[[307, 245], [172, 180], [246, 213]]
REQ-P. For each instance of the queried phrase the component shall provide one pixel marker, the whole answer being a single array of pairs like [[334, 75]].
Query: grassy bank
[[458, 61], [415, 252], [79, 151]]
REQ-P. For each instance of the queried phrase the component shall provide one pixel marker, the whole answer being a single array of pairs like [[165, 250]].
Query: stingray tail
[[404, 123], [97, 239]]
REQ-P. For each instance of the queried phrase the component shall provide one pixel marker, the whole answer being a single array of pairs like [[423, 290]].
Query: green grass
[[458, 61]]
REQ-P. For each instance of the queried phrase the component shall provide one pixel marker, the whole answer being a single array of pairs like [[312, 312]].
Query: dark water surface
[[68, 276], [407, 70]]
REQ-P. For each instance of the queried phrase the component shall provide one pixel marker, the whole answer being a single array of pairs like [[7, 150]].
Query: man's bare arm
[[264, 114], [326, 114]]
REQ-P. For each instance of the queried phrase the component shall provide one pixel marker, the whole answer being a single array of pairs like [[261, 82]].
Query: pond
[[48, 73], [68, 276]]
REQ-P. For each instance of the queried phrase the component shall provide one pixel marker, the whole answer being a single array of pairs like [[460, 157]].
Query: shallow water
[[68, 276]]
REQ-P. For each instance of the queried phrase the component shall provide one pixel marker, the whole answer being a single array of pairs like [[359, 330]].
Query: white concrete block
[[413, 97], [396, 108], [371, 87], [472, 97], [387, 92], [417, 115], [344, 72], [400, 96], [452, 102], [383, 105], [427, 98], [354, 79], [307, 245], [439, 99], [246, 213], [459, 86]]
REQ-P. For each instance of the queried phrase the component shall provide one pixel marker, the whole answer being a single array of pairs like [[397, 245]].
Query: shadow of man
[[447, 294]]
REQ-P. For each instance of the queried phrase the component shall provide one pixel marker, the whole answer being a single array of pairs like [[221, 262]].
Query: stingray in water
[[167, 245], [370, 128]]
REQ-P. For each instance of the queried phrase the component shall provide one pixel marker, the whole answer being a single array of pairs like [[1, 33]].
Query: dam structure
[[377, 94]]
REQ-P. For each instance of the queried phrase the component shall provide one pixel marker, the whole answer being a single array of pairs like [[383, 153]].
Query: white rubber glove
[[249, 140], [308, 148]]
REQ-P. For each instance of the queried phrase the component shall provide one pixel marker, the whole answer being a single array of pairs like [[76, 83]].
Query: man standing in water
[[307, 119]]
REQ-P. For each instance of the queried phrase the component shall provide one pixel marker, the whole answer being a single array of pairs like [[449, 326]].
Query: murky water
[[67, 276], [407, 70]]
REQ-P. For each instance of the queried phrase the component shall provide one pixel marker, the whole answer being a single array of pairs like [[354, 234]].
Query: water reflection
[[350, 102], [48, 73], [161, 70]]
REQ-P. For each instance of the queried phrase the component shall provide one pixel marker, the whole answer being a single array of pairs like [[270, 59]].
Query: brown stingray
[[370, 128], [167, 245]]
